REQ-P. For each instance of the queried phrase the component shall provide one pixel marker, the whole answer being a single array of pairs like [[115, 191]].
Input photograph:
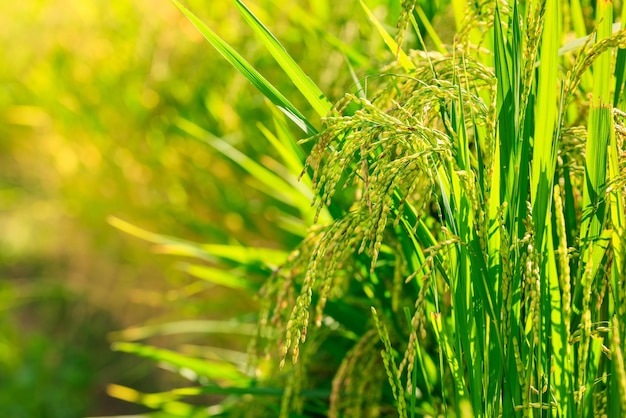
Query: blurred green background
[[92, 95]]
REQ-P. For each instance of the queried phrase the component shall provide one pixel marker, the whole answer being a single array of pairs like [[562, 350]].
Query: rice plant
[[466, 249]]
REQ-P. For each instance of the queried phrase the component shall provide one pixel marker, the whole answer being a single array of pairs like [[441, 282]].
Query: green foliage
[[53, 377], [467, 252]]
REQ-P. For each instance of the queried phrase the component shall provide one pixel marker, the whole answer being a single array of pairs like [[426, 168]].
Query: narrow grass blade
[[248, 71], [459, 7], [267, 181], [221, 371], [211, 389], [184, 327], [395, 49], [618, 365], [578, 18], [388, 356], [546, 143], [292, 160], [429, 28], [453, 361], [619, 100], [617, 197], [261, 259], [253, 168], [218, 276], [166, 402], [309, 90], [620, 79], [599, 133]]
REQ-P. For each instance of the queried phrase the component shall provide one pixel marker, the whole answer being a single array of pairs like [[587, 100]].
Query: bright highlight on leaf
[[395, 49], [309, 89], [248, 71]]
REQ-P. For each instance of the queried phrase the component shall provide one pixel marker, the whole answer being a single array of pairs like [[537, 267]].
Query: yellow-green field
[[369, 208], [92, 95]]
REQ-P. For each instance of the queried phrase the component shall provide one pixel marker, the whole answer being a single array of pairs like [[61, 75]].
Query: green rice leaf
[[459, 7], [269, 182], [295, 167], [600, 130], [403, 59], [432, 33], [262, 259], [545, 140], [167, 404], [218, 276], [388, 355], [184, 327], [445, 342], [236, 390], [219, 371], [248, 71], [578, 18], [310, 90]]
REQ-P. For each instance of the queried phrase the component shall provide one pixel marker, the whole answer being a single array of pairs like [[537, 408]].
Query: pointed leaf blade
[[307, 87], [248, 71]]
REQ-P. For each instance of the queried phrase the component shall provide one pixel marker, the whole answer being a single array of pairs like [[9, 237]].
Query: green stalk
[[546, 143], [545, 140], [599, 132]]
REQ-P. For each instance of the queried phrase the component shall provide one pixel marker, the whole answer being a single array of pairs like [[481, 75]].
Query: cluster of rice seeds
[[393, 143], [488, 139], [506, 271], [404, 20], [355, 389], [407, 175], [531, 280], [292, 401], [530, 52], [455, 75], [395, 150], [432, 69], [399, 274], [617, 348], [600, 400], [479, 16], [387, 144], [564, 260], [382, 204], [583, 334], [620, 248], [391, 368], [417, 332], [571, 153], [522, 374], [481, 226], [458, 69], [336, 244], [586, 58], [505, 249], [525, 358], [419, 193], [278, 294], [340, 243], [422, 61]]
